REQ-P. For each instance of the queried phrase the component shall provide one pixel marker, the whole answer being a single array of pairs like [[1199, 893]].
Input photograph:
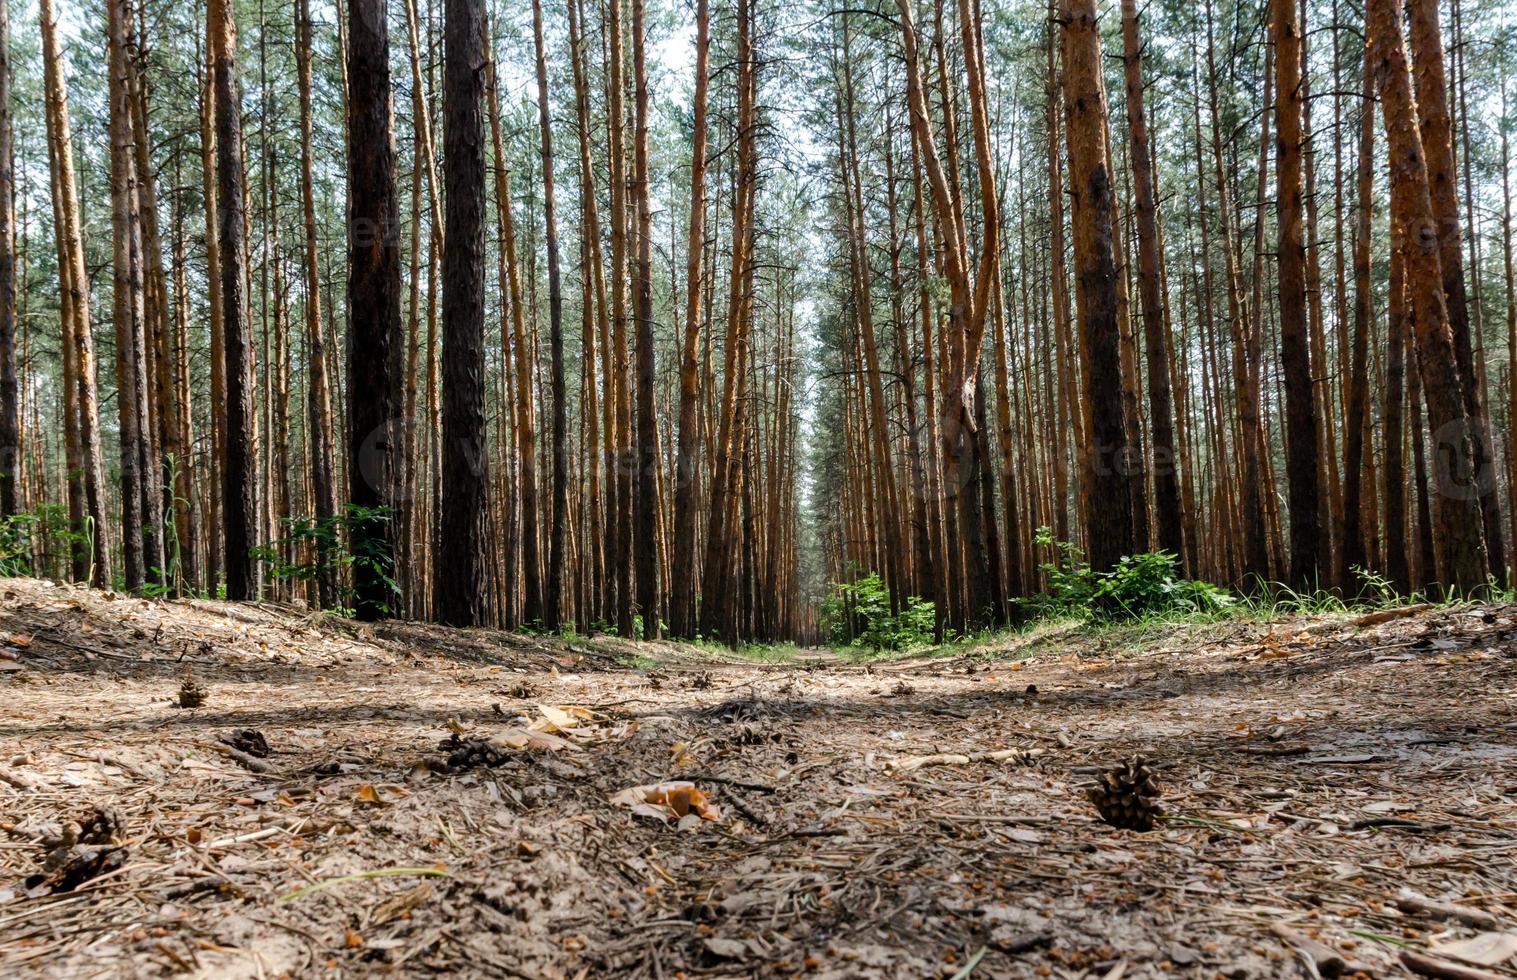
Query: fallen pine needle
[[911, 762], [326, 883], [974, 961]]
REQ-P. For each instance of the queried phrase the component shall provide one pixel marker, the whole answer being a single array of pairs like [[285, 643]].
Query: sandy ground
[[1313, 770]]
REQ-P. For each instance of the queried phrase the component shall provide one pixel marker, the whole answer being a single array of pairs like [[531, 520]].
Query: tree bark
[[1109, 528], [12, 451], [141, 490], [1354, 551], [319, 398], [374, 329], [1436, 132], [68, 227], [1295, 353], [1461, 555], [682, 577], [648, 586], [1151, 292], [460, 575]]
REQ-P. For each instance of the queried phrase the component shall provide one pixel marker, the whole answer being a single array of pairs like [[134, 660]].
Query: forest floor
[[1317, 771]]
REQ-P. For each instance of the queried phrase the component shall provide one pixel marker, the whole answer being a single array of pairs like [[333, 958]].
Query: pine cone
[[1128, 795], [191, 694], [249, 740], [102, 825]]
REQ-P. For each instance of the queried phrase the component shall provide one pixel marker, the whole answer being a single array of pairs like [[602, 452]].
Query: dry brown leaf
[[670, 802]]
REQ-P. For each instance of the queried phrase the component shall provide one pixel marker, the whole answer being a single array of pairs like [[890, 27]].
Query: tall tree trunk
[[1251, 437], [558, 526], [1354, 552], [594, 319], [648, 590], [216, 552], [1398, 567], [1511, 316], [621, 380], [374, 329], [240, 468], [1109, 528], [460, 576], [12, 451], [716, 575], [1438, 148], [687, 469], [141, 496], [1151, 292], [69, 229], [1461, 554], [525, 413], [319, 398], [1295, 353]]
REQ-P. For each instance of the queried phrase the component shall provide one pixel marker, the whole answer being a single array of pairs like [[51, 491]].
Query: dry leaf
[[1486, 949], [670, 802]]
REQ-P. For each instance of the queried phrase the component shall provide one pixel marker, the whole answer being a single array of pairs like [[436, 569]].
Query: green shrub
[[1149, 584], [858, 614], [319, 545], [45, 530]]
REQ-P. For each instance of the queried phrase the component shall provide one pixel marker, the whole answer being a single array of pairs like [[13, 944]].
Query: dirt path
[[1313, 770]]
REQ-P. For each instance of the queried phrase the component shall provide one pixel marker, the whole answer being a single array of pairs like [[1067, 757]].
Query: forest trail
[[1314, 769]]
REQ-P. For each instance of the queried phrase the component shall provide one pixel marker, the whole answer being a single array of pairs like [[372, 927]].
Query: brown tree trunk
[[1511, 319], [647, 543], [1109, 528], [624, 462], [525, 413], [216, 552], [374, 328], [559, 519], [1397, 565], [1295, 353], [716, 589], [74, 280], [1151, 292], [319, 398], [240, 467], [687, 470], [1252, 488], [1354, 552], [1461, 553], [12, 450], [460, 576], [1438, 149], [141, 490]]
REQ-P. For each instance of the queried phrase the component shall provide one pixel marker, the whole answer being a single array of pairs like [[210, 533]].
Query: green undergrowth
[[1144, 601]]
